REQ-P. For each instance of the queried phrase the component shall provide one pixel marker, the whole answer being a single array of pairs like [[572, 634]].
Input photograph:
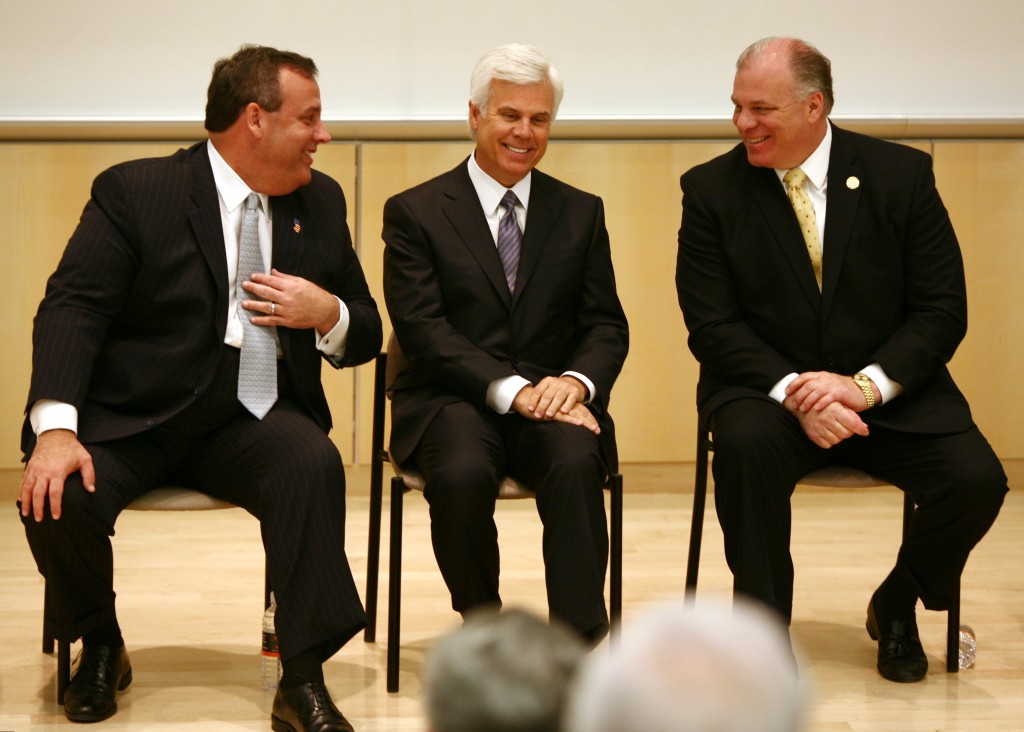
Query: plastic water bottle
[[968, 647], [270, 660]]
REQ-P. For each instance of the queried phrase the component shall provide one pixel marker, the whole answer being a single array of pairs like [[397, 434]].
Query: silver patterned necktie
[[257, 368], [804, 209], [510, 239]]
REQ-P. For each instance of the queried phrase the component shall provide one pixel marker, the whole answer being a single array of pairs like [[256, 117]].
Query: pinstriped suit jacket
[[130, 328]]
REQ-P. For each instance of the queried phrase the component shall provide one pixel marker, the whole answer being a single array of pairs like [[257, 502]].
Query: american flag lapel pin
[[296, 226]]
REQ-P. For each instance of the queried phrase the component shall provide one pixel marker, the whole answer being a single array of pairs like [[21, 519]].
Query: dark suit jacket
[[893, 289], [133, 319], [459, 326]]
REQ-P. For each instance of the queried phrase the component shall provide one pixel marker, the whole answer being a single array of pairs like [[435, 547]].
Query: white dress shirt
[[502, 392]]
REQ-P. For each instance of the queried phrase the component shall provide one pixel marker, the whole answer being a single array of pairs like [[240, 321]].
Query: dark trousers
[[284, 470], [761, 452], [464, 455]]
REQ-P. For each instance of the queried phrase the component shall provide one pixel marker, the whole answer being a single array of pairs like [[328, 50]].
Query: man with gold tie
[[823, 289]]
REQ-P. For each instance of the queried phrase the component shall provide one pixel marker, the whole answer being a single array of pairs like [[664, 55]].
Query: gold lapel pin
[[853, 182]]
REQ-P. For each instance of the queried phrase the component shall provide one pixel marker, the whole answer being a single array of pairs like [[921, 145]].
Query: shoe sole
[[279, 725]]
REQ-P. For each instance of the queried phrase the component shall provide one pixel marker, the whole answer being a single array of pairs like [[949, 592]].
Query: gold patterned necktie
[[257, 367], [801, 202]]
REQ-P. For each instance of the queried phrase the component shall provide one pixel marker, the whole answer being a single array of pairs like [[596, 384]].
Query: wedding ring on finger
[[273, 308]]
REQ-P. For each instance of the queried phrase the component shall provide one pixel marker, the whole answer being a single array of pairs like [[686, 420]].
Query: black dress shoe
[[306, 708], [101, 672], [900, 655]]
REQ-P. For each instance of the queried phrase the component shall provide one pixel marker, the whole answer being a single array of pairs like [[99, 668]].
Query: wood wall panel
[[982, 186], [653, 402]]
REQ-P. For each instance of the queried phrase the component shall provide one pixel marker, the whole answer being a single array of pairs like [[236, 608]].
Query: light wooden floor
[[190, 589]]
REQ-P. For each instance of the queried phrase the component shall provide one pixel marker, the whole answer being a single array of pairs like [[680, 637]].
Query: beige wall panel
[[46, 186], [384, 170], [982, 186], [653, 401], [338, 160]]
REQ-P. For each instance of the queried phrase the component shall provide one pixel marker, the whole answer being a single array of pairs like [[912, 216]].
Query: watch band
[[862, 381]]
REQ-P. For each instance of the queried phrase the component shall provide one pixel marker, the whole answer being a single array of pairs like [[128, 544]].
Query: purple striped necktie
[[510, 239]]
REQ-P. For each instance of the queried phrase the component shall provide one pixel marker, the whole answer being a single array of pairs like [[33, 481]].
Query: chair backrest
[[396, 364]]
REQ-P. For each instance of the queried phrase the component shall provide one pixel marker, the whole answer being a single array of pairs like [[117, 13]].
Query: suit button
[[830, 361]]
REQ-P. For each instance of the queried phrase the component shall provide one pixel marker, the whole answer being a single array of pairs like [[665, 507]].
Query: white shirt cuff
[[332, 343], [778, 392], [591, 389], [502, 392], [49, 414], [887, 388]]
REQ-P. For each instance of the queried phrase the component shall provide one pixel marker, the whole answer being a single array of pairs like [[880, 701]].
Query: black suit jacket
[[893, 283], [459, 326], [133, 319]]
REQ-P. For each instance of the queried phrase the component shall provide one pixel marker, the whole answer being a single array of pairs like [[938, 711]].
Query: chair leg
[[700, 492], [953, 633], [395, 583], [63, 668], [615, 590], [47, 632], [377, 458], [373, 550]]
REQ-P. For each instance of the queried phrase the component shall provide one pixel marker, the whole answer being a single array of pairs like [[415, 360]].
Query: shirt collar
[[816, 165], [490, 191], [232, 189]]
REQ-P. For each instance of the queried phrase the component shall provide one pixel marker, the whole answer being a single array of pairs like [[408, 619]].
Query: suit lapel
[[289, 237], [545, 206], [466, 216], [206, 224], [771, 198], [844, 181]]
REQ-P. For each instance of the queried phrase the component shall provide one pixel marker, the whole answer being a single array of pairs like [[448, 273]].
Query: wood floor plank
[[190, 587]]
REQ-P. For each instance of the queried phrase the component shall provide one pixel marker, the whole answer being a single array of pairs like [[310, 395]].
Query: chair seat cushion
[[841, 476], [176, 498]]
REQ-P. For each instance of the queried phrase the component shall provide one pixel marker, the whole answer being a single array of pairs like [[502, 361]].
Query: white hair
[[516, 64], [683, 669]]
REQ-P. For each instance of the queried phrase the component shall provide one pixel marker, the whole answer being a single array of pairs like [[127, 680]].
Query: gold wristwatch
[[864, 383]]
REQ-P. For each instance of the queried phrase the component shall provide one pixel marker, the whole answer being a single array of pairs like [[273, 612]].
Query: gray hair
[[812, 71], [516, 64], [501, 672], [683, 669]]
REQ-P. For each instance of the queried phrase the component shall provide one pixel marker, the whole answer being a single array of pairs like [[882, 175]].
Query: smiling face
[[512, 136], [778, 128], [290, 135]]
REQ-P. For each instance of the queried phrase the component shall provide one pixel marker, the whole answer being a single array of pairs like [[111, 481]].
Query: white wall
[[410, 59]]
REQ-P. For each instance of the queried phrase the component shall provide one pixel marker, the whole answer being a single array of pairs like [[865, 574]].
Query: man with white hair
[[499, 283], [686, 669]]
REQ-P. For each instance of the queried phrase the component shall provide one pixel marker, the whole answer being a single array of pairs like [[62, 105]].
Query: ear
[[253, 117], [815, 106], [474, 117]]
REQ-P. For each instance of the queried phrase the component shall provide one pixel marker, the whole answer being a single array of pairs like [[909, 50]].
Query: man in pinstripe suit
[[135, 373]]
